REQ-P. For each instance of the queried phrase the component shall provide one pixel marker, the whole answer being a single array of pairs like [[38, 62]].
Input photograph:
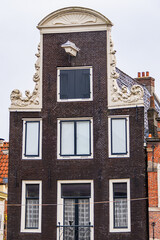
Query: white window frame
[[78, 99], [111, 207], [59, 139], [24, 138], [23, 207], [60, 204], [109, 136]]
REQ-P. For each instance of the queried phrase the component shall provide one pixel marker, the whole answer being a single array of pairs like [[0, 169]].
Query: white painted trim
[[40, 140], [14, 109], [111, 219], [23, 207], [126, 106], [158, 184], [60, 204], [89, 28], [109, 137], [74, 100], [154, 209], [58, 139]]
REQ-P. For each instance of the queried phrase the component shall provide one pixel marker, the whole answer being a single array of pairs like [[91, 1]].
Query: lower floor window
[[31, 206], [77, 214], [119, 205]]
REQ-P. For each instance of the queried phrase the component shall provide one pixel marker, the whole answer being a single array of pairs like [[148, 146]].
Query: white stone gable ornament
[[70, 48], [122, 96], [31, 99]]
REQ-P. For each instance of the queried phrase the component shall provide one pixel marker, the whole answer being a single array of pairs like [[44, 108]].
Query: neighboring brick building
[[153, 159], [77, 159], [4, 150]]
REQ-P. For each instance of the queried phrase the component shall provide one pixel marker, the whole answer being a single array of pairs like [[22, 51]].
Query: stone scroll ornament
[[31, 98], [122, 94]]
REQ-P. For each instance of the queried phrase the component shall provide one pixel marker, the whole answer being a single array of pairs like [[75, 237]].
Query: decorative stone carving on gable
[[31, 100], [117, 96], [73, 17]]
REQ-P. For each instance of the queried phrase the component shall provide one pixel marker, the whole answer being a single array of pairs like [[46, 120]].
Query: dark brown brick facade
[[100, 168]]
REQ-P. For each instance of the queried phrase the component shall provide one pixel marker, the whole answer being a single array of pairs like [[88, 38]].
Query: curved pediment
[[73, 16]]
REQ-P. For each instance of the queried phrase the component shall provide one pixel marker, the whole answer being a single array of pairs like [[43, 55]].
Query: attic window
[[75, 84]]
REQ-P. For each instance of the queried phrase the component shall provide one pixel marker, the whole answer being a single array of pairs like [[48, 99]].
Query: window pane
[[74, 83], [120, 205], [76, 190], [69, 219], [32, 190], [32, 213], [67, 138], [82, 83], [83, 214], [67, 84], [118, 138], [83, 137], [32, 139]]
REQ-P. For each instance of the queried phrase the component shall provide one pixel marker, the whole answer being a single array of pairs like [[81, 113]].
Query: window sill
[[120, 230], [31, 158], [30, 231], [75, 100], [74, 157], [119, 156]]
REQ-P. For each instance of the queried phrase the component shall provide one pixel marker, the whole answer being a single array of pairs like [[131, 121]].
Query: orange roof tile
[[4, 161]]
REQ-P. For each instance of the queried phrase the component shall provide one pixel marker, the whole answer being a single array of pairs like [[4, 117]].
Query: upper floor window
[[75, 84], [32, 131], [75, 138], [118, 136]]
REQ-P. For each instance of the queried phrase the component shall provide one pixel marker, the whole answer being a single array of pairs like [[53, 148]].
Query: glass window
[[31, 206], [74, 83], [75, 138], [76, 211], [120, 205], [119, 136], [32, 139], [120, 219]]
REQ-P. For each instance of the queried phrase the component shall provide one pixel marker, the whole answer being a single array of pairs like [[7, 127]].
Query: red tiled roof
[[3, 162]]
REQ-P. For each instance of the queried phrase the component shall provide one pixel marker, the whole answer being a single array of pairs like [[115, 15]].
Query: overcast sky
[[136, 36]]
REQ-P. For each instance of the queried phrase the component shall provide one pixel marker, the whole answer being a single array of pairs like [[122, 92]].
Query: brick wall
[[100, 168]]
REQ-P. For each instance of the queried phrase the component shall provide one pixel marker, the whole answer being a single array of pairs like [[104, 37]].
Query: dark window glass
[[32, 206], [76, 190], [120, 205], [75, 84]]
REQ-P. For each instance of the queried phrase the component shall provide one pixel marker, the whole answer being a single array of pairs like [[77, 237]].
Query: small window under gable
[[74, 84]]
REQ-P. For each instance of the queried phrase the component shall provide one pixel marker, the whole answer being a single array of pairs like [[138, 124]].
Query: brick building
[[77, 159], [153, 162]]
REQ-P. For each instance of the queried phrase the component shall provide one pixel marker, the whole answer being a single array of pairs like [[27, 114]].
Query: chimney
[[152, 118], [1, 142], [146, 80]]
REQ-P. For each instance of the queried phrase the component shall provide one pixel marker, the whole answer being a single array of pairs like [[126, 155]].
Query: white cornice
[[74, 19]]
